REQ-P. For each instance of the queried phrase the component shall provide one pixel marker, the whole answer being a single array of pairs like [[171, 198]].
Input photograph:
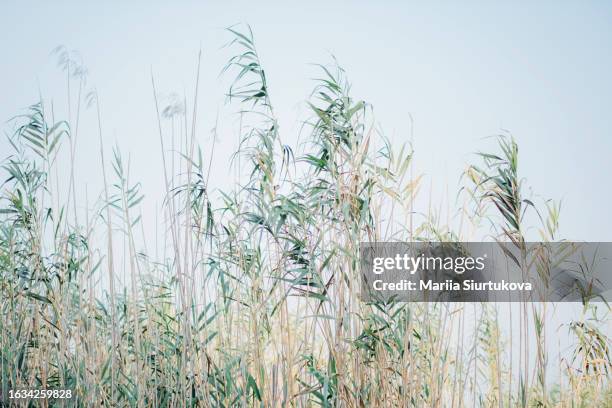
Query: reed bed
[[256, 301]]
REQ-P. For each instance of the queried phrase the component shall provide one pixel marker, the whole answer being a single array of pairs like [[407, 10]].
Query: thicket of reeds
[[256, 301]]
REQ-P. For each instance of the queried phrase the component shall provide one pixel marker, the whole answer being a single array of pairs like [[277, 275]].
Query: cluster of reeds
[[255, 300]]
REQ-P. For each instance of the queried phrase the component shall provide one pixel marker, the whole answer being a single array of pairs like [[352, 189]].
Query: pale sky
[[462, 70], [542, 71]]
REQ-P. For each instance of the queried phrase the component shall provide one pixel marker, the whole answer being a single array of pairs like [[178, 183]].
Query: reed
[[254, 300]]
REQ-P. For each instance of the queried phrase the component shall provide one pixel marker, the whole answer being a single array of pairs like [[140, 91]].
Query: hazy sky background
[[542, 71], [463, 71]]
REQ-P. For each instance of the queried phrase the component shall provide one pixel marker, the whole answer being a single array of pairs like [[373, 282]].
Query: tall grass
[[256, 300]]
